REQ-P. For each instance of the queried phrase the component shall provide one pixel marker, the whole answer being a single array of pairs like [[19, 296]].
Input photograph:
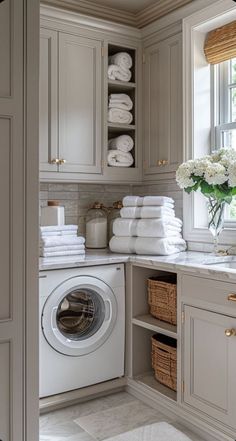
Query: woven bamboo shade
[[220, 44]]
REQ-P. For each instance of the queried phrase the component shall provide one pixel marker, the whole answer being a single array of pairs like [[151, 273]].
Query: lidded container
[[53, 214], [114, 214], [96, 227]]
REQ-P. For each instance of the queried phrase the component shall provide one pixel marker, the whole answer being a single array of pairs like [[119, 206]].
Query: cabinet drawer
[[209, 291]]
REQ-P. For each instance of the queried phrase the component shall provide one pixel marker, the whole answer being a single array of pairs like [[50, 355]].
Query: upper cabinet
[[70, 103], [162, 94]]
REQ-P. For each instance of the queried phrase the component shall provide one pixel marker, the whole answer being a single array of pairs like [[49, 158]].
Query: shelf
[[147, 321], [120, 127], [115, 85], [149, 380]]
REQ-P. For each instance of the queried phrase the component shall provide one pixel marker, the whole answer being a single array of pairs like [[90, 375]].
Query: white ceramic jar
[[96, 227], [53, 214]]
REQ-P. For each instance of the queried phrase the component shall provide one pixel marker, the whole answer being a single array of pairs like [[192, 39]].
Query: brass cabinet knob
[[232, 297], [62, 161], [55, 161], [164, 162], [159, 162], [230, 332]]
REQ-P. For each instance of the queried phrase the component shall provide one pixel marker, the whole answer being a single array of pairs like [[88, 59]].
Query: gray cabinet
[[70, 104], [162, 132], [209, 364]]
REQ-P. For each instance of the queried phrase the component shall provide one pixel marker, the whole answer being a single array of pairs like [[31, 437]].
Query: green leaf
[[207, 189]]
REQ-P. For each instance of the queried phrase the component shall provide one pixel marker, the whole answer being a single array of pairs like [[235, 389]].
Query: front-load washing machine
[[82, 327]]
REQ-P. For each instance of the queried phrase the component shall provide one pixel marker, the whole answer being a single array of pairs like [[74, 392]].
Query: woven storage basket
[[164, 360], [162, 296]]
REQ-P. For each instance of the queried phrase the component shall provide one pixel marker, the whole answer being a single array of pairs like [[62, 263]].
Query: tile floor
[[102, 418]]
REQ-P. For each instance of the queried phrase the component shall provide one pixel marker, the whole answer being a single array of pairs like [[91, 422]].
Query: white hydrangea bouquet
[[215, 176]]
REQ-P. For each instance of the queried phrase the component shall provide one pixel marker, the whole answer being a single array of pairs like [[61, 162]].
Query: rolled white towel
[[62, 248], [58, 241], [115, 72], [146, 212], [124, 143], [122, 244], [147, 245], [120, 116], [116, 158], [159, 246], [64, 253], [160, 227], [139, 201], [120, 101], [122, 59]]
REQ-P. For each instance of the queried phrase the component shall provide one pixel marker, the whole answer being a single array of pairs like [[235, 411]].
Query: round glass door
[[79, 315]]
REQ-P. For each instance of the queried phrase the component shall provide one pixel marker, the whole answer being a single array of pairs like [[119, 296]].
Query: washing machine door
[[79, 315]]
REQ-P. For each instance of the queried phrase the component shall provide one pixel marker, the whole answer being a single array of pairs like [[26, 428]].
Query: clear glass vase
[[216, 210]]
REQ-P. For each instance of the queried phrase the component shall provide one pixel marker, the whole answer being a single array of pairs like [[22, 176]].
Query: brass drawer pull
[[62, 161], [232, 297], [230, 332], [55, 161]]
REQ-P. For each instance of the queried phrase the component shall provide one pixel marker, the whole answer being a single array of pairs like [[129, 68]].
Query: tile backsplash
[[78, 198]]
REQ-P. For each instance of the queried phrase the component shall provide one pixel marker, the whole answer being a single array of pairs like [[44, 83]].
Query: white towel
[[120, 101], [147, 245], [64, 253], [59, 229], [62, 248], [146, 212], [122, 59], [120, 116], [116, 158], [71, 233], [58, 241], [139, 201], [124, 143], [161, 227], [115, 72]]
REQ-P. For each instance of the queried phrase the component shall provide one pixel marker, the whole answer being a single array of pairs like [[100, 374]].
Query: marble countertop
[[189, 261]]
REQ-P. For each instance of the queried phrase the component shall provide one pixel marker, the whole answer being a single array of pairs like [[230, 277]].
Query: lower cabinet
[[209, 364]]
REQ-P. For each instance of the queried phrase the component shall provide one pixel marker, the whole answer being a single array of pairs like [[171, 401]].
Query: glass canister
[[114, 214], [96, 226]]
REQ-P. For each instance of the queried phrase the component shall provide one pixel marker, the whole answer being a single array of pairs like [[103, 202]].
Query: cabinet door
[[163, 106], [48, 114], [79, 104], [209, 364]]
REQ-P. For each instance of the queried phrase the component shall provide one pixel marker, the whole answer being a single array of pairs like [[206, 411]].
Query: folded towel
[[117, 73], [58, 241], [64, 253], [120, 101], [71, 233], [62, 248], [116, 158], [146, 212], [122, 59], [60, 229], [139, 201], [124, 143], [120, 116], [160, 227], [147, 245]]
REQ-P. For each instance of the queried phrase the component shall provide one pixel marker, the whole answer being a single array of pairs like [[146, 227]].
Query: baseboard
[[59, 401], [173, 409]]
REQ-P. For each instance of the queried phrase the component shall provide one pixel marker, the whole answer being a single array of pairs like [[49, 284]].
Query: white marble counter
[[189, 261]]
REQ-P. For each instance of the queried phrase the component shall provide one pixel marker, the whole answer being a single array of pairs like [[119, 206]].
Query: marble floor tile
[[119, 419]]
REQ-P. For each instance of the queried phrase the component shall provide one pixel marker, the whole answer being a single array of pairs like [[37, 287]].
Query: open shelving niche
[[143, 326], [113, 130]]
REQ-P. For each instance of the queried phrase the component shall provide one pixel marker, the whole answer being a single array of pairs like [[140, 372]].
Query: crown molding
[[139, 20]]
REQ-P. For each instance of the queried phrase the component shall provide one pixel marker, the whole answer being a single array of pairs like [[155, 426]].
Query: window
[[224, 111]]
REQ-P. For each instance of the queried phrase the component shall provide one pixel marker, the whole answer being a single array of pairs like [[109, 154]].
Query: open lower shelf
[[147, 321], [149, 380], [116, 127], [115, 85]]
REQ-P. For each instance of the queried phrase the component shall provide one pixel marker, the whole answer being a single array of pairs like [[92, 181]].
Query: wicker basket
[[164, 360], [162, 296]]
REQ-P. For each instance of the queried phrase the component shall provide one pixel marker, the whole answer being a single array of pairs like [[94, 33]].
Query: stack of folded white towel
[[119, 151], [119, 67], [147, 226], [61, 241], [119, 107]]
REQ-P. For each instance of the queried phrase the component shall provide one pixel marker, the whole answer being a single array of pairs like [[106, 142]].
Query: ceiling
[[133, 6]]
